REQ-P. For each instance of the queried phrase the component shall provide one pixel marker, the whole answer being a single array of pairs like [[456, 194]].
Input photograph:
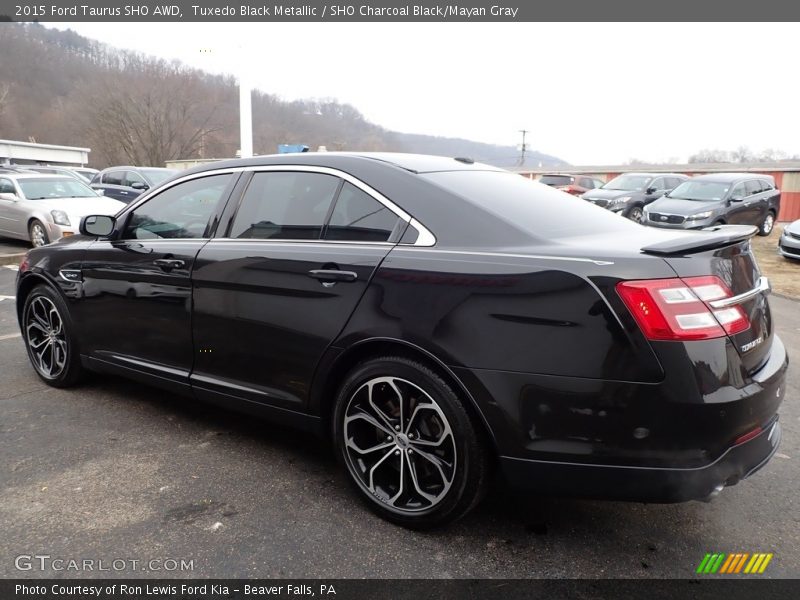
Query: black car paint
[[532, 332]]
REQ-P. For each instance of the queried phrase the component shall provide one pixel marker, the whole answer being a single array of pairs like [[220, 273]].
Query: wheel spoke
[[381, 415], [433, 443], [374, 467], [401, 487], [438, 463], [375, 448], [412, 468], [369, 419]]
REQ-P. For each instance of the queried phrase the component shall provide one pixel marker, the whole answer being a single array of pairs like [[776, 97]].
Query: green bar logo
[[735, 563]]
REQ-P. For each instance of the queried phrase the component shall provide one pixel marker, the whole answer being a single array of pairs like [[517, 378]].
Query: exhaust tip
[[715, 492]]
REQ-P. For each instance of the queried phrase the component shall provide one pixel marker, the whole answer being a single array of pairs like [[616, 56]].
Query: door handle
[[333, 275], [169, 263]]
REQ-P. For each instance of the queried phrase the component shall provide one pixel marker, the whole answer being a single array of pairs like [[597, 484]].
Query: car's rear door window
[[114, 177], [287, 205], [752, 187], [359, 217]]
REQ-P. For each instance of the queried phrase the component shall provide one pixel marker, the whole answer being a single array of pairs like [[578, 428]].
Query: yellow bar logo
[[735, 563]]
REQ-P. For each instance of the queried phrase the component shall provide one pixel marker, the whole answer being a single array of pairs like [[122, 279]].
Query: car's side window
[[181, 211], [288, 205], [358, 217], [766, 186], [6, 187], [752, 187], [657, 184], [114, 177]]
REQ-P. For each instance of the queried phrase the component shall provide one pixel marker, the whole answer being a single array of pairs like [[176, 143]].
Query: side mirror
[[97, 225], [138, 185], [7, 196]]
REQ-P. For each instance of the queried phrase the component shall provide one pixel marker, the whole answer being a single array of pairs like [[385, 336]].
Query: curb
[[11, 259]]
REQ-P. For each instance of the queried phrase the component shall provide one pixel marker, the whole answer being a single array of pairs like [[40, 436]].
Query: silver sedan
[[789, 244], [44, 208]]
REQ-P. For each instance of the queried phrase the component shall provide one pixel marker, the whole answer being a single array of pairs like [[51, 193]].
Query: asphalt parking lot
[[117, 471]]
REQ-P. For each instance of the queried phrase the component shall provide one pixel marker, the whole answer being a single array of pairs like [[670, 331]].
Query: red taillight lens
[[747, 436], [678, 309]]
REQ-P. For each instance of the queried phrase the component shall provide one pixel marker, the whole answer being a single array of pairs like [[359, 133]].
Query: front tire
[[49, 338], [767, 225], [636, 214], [37, 233], [410, 448]]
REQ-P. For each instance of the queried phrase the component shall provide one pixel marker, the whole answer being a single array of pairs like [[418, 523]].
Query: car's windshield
[[700, 190], [44, 188], [628, 183], [156, 176], [556, 179]]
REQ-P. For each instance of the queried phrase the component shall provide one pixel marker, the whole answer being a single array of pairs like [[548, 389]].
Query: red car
[[572, 184]]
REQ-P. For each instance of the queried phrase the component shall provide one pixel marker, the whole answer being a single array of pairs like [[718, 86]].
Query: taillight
[[678, 309]]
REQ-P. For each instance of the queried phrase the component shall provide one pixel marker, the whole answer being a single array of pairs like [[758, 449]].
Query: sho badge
[[753, 344]]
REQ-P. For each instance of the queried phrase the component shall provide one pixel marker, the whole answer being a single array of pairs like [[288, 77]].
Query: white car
[[44, 208]]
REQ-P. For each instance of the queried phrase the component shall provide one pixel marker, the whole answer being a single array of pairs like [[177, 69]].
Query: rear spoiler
[[704, 239]]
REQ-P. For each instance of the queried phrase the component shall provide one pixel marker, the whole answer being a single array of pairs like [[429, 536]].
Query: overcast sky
[[588, 93]]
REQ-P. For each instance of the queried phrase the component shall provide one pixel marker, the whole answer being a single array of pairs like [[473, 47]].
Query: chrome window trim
[[595, 261], [424, 238], [291, 242]]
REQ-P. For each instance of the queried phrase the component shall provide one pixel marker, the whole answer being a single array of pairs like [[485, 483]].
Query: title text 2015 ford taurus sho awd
[[438, 318]]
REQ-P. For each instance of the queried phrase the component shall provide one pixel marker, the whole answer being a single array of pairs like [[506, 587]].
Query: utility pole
[[522, 147]]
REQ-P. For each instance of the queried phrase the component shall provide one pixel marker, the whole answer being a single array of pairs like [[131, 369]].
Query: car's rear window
[[538, 209], [556, 179]]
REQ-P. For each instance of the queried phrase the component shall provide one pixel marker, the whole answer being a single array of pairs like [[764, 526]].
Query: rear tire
[[767, 225], [49, 338], [409, 447]]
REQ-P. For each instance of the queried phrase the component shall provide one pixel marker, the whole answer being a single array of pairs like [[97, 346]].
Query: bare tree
[[5, 95], [152, 119]]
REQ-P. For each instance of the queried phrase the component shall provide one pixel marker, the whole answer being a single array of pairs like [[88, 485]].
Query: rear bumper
[[644, 484]]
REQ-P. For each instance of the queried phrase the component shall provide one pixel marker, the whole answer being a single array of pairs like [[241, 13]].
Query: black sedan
[[438, 319]]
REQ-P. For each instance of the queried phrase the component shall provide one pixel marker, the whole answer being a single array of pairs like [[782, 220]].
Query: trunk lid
[[726, 252]]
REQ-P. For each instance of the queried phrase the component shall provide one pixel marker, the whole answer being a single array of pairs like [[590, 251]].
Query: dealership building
[[785, 173]]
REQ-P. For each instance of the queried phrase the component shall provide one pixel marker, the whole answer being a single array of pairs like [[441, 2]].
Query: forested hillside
[[58, 87]]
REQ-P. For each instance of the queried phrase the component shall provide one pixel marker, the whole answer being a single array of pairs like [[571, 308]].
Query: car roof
[[646, 174], [38, 176], [732, 177], [414, 163], [132, 168]]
